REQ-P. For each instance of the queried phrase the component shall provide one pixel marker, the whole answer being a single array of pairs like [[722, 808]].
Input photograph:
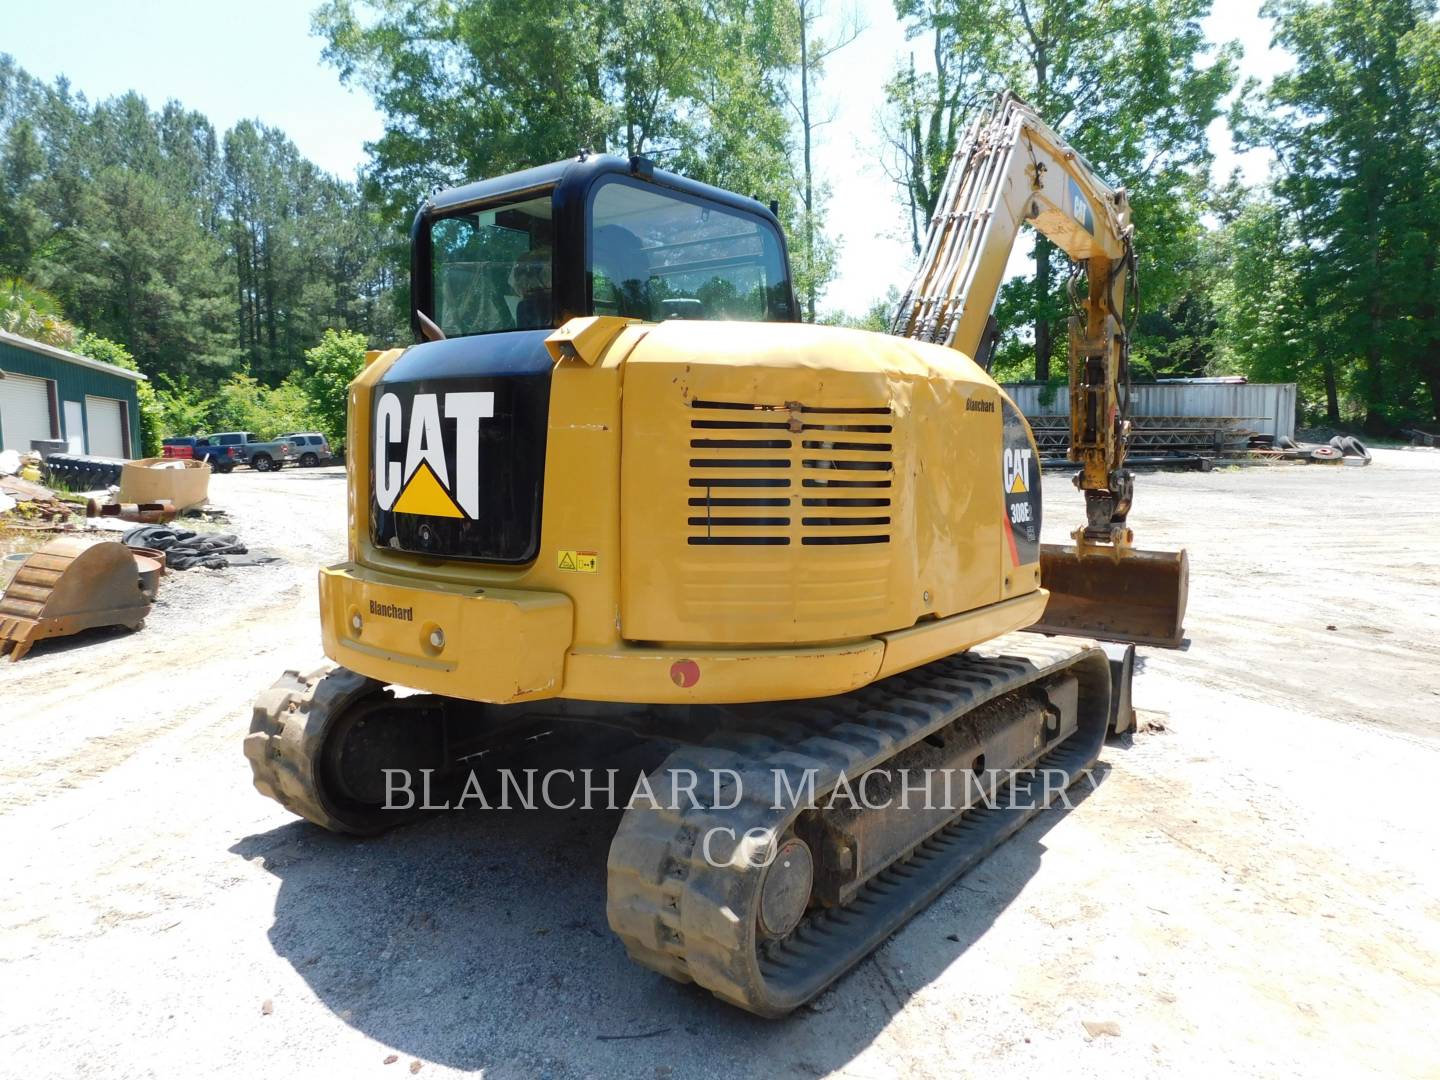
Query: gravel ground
[[1250, 887]]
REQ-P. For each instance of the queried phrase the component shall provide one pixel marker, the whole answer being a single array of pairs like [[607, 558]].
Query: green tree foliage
[[1131, 84], [201, 253], [928, 110], [325, 379], [33, 313], [876, 317], [1354, 223], [182, 409], [22, 163], [134, 270], [1263, 329], [243, 403], [812, 251], [476, 88], [304, 249]]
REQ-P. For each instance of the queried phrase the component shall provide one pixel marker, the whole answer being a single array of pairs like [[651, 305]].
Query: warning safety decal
[[581, 562]]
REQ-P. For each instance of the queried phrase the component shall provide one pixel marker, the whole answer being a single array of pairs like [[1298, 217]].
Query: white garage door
[[24, 411], [102, 423]]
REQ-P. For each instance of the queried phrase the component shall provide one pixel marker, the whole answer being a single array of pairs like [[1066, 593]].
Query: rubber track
[[287, 731], [693, 921]]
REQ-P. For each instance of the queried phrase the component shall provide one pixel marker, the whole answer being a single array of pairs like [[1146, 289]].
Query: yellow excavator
[[617, 482]]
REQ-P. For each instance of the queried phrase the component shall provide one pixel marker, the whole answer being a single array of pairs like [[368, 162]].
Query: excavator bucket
[[67, 586], [1112, 595]]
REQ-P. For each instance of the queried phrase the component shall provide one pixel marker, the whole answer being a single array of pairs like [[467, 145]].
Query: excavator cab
[[596, 236]]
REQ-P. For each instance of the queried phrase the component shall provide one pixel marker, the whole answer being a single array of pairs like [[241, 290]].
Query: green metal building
[[49, 393]]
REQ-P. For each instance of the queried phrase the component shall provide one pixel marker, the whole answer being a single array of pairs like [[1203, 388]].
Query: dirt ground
[[1251, 887]]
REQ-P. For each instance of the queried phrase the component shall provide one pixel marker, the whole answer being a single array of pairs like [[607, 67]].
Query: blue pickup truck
[[222, 459]]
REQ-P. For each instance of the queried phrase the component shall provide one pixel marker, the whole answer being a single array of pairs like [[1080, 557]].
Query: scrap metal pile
[[79, 582], [1200, 441], [1151, 436], [1340, 450], [83, 580], [27, 504]]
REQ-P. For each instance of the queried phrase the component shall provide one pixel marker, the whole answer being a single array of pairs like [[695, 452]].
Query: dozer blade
[[1112, 595], [67, 586]]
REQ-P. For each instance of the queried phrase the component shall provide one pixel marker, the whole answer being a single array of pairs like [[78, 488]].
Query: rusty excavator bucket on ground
[[1115, 594], [67, 586]]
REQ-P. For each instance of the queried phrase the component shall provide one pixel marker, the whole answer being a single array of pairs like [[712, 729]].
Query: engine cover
[[786, 483]]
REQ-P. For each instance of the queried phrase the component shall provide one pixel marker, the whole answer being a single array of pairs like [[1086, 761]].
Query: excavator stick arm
[[1012, 169]]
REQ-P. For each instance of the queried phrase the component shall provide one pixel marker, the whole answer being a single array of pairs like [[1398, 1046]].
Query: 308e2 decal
[[1020, 480]]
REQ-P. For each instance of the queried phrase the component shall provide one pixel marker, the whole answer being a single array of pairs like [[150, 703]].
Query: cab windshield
[[492, 269]]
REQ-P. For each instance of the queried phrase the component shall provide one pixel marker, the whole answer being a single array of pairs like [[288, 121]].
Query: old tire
[[286, 748], [309, 461], [262, 463], [224, 469]]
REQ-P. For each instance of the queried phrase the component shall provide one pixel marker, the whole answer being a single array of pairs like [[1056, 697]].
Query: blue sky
[[258, 59]]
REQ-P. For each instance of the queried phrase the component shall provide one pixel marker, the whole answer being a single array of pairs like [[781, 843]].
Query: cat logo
[[1017, 470], [1020, 477], [1080, 208], [421, 483]]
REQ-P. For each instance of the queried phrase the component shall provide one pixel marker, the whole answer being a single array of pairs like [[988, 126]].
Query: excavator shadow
[[478, 940]]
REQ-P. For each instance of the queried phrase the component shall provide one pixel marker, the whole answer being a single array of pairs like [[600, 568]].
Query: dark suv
[[311, 449]]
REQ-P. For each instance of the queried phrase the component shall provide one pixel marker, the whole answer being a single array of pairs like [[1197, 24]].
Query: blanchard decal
[[979, 405], [412, 475], [392, 611], [1020, 481]]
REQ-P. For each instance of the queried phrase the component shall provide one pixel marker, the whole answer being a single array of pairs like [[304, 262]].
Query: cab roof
[[578, 173]]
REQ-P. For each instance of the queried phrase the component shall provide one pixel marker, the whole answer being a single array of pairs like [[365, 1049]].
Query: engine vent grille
[[776, 475]]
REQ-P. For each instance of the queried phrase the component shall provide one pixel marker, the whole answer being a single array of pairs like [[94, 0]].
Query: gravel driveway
[[1249, 887]]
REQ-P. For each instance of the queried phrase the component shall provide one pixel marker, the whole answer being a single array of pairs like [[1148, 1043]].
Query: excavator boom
[[1012, 169]]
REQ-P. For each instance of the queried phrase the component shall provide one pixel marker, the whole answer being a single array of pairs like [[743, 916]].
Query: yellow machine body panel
[[731, 512], [805, 483]]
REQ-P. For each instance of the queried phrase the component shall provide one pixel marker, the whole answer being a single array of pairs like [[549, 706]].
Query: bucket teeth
[[15, 636]]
